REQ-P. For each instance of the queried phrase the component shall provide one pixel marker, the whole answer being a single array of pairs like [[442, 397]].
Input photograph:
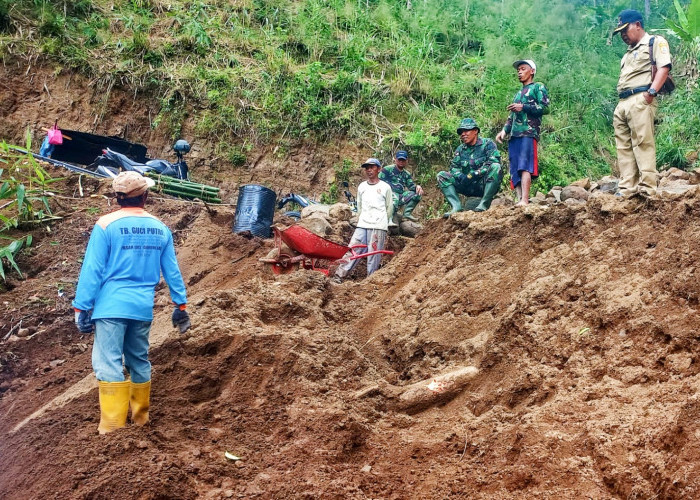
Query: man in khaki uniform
[[634, 115]]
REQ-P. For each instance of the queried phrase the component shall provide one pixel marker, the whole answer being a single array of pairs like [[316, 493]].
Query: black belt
[[629, 92]]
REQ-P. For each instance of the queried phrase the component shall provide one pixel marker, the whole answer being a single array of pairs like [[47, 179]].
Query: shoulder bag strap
[[651, 58]]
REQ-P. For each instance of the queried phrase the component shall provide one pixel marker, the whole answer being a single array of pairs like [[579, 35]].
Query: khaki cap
[[131, 184]]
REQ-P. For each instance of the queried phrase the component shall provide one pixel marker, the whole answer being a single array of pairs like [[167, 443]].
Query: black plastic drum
[[255, 210]]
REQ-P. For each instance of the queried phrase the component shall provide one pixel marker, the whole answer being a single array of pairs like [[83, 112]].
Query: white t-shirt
[[374, 202]]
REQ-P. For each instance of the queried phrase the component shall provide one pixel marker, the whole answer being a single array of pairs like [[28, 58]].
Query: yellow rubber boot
[[114, 405], [140, 402]]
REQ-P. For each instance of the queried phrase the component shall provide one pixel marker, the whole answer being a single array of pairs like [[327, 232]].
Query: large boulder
[[340, 212], [669, 189], [410, 228], [314, 209], [317, 224], [574, 192]]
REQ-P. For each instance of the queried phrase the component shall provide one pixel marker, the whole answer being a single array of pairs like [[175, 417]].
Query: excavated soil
[[581, 321]]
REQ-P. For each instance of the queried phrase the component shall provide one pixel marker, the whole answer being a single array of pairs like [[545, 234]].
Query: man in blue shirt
[[126, 253]]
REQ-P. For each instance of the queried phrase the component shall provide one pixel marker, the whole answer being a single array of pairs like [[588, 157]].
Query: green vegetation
[[23, 201], [342, 174], [387, 72]]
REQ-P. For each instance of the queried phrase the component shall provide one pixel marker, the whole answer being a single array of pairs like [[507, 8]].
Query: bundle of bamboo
[[184, 189]]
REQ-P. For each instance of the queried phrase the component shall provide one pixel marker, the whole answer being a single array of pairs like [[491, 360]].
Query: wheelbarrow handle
[[355, 256]]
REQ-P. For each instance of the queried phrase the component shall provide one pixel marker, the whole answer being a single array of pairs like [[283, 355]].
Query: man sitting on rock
[[475, 169], [404, 191]]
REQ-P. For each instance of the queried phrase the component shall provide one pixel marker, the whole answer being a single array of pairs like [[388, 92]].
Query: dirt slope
[[580, 319], [32, 96]]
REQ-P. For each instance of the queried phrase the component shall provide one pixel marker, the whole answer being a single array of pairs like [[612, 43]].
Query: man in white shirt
[[374, 204]]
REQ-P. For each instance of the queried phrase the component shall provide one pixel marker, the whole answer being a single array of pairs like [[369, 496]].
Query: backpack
[[668, 85]]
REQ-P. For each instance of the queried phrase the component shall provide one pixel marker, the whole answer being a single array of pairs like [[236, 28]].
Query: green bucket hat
[[467, 124]]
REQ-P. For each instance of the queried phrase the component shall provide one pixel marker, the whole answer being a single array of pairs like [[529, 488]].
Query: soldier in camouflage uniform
[[475, 169], [405, 192], [523, 125]]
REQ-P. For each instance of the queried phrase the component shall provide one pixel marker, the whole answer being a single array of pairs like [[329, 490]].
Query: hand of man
[[462, 178], [501, 137], [515, 107], [181, 319], [83, 320], [648, 97], [419, 190]]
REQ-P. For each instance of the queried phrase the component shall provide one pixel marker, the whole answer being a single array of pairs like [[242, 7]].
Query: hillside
[[266, 79], [579, 319]]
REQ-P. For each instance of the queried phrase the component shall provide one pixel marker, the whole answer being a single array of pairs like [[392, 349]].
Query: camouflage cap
[[467, 124]]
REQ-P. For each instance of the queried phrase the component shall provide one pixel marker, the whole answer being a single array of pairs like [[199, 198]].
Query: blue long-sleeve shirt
[[126, 253]]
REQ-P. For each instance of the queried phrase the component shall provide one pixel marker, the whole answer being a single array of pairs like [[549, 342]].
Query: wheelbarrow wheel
[[284, 265]]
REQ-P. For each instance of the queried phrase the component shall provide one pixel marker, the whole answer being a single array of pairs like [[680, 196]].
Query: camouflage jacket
[[526, 123], [478, 158], [399, 180]]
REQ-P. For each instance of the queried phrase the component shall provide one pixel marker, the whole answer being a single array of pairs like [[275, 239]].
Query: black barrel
[[255, 210]]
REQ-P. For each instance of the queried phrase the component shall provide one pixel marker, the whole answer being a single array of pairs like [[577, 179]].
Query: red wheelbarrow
[[297, 246]]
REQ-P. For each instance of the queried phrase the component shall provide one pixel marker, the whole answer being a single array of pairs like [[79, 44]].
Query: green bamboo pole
[[191, 192], [172, 180], [188, 184], [184, 195]]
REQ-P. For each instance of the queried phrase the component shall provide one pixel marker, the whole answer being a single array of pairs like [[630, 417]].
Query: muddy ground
[[580, 319], [581, 322]]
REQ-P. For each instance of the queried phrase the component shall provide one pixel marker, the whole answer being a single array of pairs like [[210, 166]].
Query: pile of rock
[[328, 221], [673, 182]]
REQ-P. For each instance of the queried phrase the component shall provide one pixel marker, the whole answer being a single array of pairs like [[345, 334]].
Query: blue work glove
[[462, 178], [83, 320], [181, 319]]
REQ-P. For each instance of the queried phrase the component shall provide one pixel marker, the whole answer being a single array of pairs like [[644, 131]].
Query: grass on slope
[[247, 72]]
